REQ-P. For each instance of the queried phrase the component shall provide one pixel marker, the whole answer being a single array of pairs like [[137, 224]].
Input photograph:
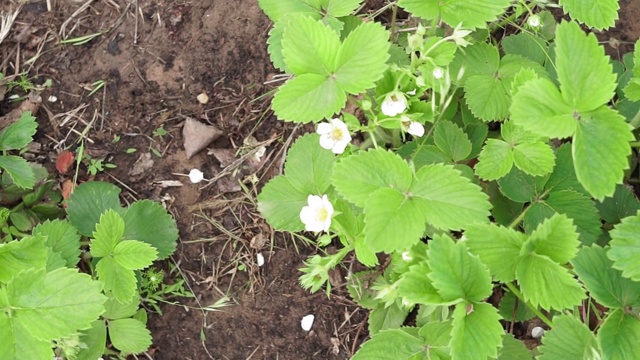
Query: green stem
[[535, 310], [519, 219], [635, 122], [394, 16]]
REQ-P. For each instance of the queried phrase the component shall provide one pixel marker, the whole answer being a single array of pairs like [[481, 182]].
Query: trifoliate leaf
[[576, 206], [545, 283], [308, 166], [513, 349], [625, 247], [536, 158], [539, 107], [309, 47], [487, 97], [471, 13], [134, 255], [108, 234], [498, 247], [477, 59], [569, 339], [528, 45], [495, 160], [600, 171], [599, 14], [17, 256], [604, 283], [161, 232], [452, 140], [585, 73], [277, 9], [63, 299], [117, 281], [392, 221], [415, 286], [308, 97], [87, 203], [62, 238], [515, 135], [362, 58], [618, 336], [129, 336], [520, 187], [20, 133], [19, 170], [477, 332], [358, 176], [406, 342], [280, 204], [451, 201], [555, 238], [623, 203], [455, 273]]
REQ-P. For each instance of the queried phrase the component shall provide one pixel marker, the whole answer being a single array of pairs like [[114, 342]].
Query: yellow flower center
[[336, 134]]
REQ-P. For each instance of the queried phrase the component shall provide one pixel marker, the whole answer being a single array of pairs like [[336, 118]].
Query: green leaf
[[619, 335], [600, 171], [358, 176], [569, 339], [339, 8], [520, 187], [452, 140], [19, 170], [527, 45], [406, 343], [362, 58], [576, 206], [62, 238], [117, 280], [384, 318], [275, 44], [94, 340], [512, 309], [599, 14], [17, 256], [495, 160], [585, 74], [539, 107], [536, 158], [129, 336], [308, 166], [477, 59], [545, 283], [477, 332], [623, 203], [134, 255], [625, 247], [513, 349], [308, 46], [456, 274], [471, 13], [280, 203], [277, 9], [487, 97], [63, 299], [450, 200], [108, 234], [308, 97], [392, 221], [87, 203], [556, 238], [415, 286], [564, 174], [116, 310], [604, 283], [498, 247], [149, 222], [20, 133]]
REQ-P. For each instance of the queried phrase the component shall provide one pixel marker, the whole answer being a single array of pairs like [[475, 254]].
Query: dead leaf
[[67, 190], [31, 103], [197, 136], [64, 161]]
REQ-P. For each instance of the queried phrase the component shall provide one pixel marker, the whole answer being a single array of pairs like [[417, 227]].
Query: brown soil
[[156, 58]]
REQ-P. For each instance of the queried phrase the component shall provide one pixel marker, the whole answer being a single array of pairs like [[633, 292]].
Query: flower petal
[[326, 142], [324, 128], [416, 129]]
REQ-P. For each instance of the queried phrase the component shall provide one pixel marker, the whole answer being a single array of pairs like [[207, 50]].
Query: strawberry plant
[[487, 168]]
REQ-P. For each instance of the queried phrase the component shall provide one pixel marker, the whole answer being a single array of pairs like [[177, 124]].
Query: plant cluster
[[474, 163]]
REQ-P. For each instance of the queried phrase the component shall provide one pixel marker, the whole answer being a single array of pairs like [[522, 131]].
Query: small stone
[[196, 176], [537, 332], [203, 98], [197, 136], [307, 322], [260, 259], [52, 99]]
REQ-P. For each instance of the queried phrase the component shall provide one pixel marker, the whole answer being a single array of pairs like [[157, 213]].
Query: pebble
[[307, 322]]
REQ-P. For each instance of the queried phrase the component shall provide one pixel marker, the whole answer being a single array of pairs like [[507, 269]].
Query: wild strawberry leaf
[[498, 247], [116, 280], [618, 335], [625, 247], [416, 286], [89, 201], [556, 238], [599, 14], [277, 9], [477, 332], [62, 238], [17, 256], [471, 13], [568, 339], [534, 158], [20, 133], [19, 170], [134, 255], [308, 97], [161, 233], [129, 335], [452, 140], [495, 160], [309, 46], [406, 342], [108, 234]]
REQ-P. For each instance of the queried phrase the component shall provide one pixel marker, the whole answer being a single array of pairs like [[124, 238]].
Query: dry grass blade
[[6, 21]]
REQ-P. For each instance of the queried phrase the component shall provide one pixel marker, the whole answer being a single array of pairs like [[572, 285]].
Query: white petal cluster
[[534, 21], [334, 135], [412, 127], [459, 34], [196, 176], [394, 103], [317, 215]]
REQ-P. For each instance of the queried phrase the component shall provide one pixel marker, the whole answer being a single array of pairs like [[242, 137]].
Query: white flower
[[412, 127], [334, 135], [316, 216], [438, 73], [307, 322], [196, 176], [534, 21], [459, 34], [394, 103]]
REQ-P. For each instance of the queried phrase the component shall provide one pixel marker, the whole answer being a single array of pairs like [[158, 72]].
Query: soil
[[156, 57]]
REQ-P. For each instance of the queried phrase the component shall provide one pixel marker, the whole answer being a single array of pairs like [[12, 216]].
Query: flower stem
[[535, 310]]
